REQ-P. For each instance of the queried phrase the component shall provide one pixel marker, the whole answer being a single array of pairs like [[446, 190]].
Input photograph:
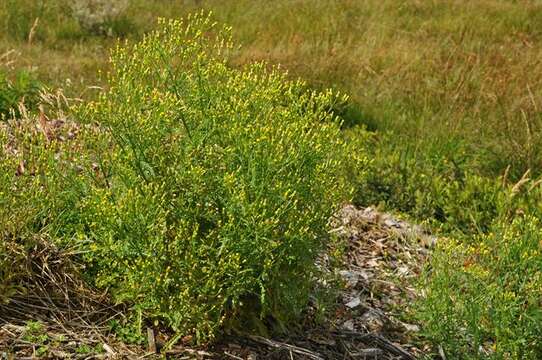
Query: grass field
[[434, 72], [445, 98]]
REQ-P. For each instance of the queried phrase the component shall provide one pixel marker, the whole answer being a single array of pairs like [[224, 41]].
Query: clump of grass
[[439, 187], [18, 89], [35, 197]]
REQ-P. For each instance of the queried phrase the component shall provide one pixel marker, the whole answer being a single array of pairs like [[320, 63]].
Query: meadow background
[[444, 99], [439, 74]]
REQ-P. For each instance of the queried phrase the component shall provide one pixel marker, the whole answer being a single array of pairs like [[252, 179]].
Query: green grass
[[20, 88], [450, 92]]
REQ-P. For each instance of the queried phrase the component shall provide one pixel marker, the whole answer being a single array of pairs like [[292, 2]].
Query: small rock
[[355, 302], [348, 325]]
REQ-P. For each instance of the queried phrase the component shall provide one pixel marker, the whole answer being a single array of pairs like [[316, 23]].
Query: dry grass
[[433, 70]]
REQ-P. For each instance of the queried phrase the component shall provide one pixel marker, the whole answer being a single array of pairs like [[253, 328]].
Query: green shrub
[[198, 194], [212, 186]]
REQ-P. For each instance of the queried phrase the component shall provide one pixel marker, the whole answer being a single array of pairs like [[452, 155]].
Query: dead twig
[[280, 345]]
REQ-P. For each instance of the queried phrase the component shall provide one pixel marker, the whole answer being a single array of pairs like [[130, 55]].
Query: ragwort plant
[[213, 186]]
